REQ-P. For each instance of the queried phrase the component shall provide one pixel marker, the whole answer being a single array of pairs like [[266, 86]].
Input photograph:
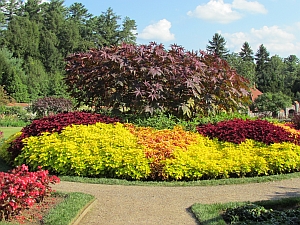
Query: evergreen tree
[[275, 75], [23, 38], [13, 76], [262, 57], [292, 69], [33, 9], [10, 8], [217, 46], [107, 31], [78, 14], [243, 68], [246, 52], [37, 79]]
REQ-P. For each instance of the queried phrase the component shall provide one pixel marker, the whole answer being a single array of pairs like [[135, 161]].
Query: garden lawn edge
[[77, 214], [211, 214], [71, 201], [83, 212]]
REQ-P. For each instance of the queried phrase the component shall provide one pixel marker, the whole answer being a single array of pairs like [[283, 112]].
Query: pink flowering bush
[[20, 189]]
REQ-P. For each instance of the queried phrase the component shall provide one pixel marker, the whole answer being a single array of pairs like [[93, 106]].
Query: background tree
[[244, 68], [78, 14], [292, 74], [274, 79], [23, 37], [108, 31], [261, 58], [217, 46], [246, 53], [270, 103], [10, 8], [12, 76]]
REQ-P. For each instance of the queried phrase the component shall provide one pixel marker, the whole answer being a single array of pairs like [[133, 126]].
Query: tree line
[[36, 37], [272, 75]]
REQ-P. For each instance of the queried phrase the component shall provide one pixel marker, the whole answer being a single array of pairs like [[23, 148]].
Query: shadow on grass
[[4, 167], [286, 192]]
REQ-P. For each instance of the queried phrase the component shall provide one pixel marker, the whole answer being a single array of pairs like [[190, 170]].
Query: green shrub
[[14, 116], [4, 153]]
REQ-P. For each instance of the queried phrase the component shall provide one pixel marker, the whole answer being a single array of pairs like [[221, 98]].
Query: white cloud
[[158, 31], [277, 40], [220, 12], [250, 6], [215, 11]]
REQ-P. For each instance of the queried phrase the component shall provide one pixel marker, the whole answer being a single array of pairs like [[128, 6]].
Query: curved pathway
[[141, 205]]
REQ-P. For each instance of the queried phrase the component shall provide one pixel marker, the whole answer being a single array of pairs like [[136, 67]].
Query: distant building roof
[[255, 93]]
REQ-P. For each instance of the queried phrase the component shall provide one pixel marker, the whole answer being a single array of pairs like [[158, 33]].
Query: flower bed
[[20, 189], [234, 148]]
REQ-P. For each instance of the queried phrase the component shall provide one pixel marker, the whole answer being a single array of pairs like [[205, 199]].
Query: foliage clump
[[51, 105], [238, 130], [142, 79], [296, 121], [55, 124], [107, 150], [256, 214]]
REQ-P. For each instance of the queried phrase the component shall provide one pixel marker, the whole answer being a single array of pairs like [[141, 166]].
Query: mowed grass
[[67, 212], [8, 131]]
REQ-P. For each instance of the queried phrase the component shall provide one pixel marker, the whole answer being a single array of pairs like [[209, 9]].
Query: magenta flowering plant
[[20, 189]]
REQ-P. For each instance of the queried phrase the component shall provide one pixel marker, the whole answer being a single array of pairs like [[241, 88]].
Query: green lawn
[[8, 131]]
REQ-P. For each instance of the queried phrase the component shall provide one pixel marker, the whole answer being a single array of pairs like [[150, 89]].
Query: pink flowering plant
[[20, 189]]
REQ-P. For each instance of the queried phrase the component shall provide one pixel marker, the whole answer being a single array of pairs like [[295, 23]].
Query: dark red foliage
[[147, 78], [237, 130], [55, 124], [296, 121]]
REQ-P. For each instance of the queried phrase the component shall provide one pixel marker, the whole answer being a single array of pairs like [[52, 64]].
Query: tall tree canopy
[[246, 52], [217, 46], [42, 34], [262, 58]]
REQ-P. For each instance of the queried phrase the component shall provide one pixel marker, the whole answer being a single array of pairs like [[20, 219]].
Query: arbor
[[246, 52], [217, 46], [261, 58], [147, 78]]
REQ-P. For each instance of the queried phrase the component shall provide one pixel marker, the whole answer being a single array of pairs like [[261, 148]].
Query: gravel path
[[140, 205]]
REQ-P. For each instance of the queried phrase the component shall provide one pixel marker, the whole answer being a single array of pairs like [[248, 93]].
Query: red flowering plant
[[20, 189]]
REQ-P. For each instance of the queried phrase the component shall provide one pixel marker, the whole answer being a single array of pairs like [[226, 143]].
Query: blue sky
[[192, 23]]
